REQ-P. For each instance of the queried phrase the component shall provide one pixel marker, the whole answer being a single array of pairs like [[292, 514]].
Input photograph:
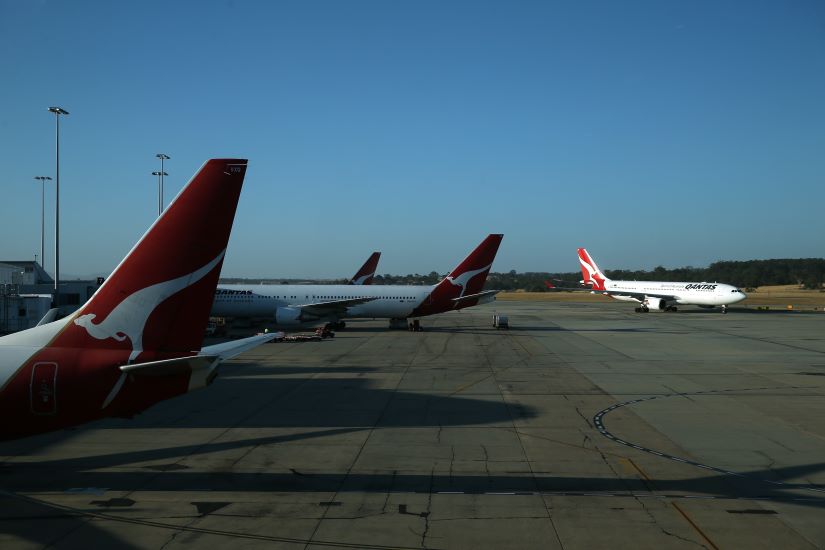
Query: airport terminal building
[[27, 292]]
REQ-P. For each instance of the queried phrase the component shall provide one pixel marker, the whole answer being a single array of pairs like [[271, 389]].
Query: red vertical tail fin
[[591, 273], [158, 298], [367, 271], [466, 279]]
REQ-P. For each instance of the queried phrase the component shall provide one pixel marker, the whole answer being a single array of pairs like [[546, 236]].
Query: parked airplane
[[365, 275], [135, 342], [300, 305], [663, 296]]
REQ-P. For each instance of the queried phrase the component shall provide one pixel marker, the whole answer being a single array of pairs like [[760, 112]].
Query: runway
[[585, 425]]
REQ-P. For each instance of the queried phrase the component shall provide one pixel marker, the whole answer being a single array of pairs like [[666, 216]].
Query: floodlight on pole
[[160, 192], [43, 180], [162, 157], [57, 112]]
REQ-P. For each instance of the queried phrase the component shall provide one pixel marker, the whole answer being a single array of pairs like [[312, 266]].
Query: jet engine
[[288, 316], [656, 303]]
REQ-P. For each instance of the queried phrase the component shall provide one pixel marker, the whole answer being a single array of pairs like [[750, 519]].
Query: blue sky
[[653, 133]]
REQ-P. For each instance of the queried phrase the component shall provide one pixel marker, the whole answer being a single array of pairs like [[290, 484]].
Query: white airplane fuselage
[[301, 305], [696, 294], [390, 301]]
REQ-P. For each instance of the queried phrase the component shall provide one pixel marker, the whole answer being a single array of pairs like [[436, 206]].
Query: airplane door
[[43, 388]]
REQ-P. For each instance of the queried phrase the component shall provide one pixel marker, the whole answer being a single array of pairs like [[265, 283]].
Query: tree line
[[806, 272]]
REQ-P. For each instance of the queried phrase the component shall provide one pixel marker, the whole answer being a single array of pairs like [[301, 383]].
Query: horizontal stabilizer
[[233, 348], [482, 297], [172, 367]]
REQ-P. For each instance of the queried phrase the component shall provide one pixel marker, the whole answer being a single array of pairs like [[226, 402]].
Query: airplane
[[658, 295], [293, 306], [365, 275], [137, 341]]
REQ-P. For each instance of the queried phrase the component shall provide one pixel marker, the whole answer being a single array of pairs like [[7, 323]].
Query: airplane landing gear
[[642, 309], [724, 309]]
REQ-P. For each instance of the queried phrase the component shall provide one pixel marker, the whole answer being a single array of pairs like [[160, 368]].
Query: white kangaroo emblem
[[360, 280], [465, 277], [592, 275], [128, 318]]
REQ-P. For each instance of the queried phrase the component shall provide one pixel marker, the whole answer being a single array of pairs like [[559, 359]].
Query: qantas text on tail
[[296, 305], [138, 340], [659, 295]]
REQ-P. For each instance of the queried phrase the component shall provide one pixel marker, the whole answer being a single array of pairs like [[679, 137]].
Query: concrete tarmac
[[584, 425]]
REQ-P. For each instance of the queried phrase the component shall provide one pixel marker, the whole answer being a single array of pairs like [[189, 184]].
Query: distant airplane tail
[[158, 298], [591, 272], [462, 287], [367, 271]]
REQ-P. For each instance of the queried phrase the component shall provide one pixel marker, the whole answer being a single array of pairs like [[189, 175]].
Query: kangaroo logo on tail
[[128, 318], [463, 279], [362, 279], [591, 272], [365, 275]]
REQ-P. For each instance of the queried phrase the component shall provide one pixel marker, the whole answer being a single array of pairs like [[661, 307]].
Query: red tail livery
[[367, 271], [134, 342], [463, 286], [591, 273]]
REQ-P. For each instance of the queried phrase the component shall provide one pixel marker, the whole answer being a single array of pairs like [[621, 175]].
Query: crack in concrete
[[452, 460], [426, 515]]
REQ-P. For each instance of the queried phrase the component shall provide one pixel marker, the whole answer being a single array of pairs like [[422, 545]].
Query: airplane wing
[[332, 307], [638, 295]]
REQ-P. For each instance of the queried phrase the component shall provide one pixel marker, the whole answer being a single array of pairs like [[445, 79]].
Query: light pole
[[57, 112], [160, 190], [43, 180], [162, 157]]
